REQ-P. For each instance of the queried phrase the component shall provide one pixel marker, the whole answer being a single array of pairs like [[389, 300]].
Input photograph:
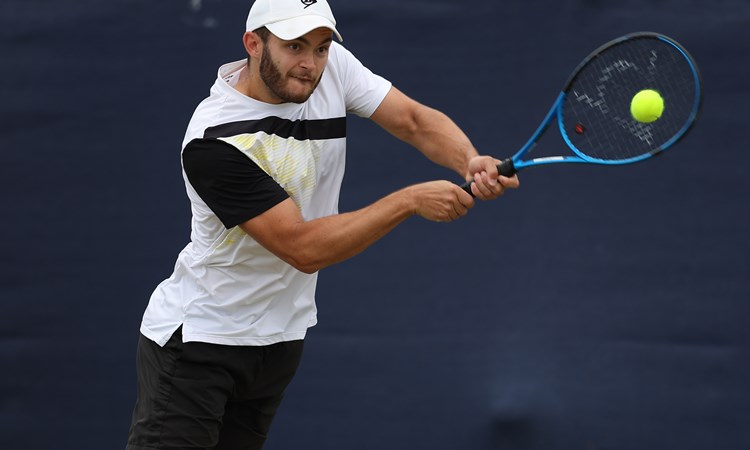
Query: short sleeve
[[230, 183], [363, 90]]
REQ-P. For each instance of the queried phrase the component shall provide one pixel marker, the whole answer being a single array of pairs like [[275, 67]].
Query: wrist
[[471, 166], [406, 200]]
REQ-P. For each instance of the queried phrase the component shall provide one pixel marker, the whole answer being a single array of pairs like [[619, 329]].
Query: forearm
[[444, 143], [322, 242], [312, 245], [427, 129], [441, 140]]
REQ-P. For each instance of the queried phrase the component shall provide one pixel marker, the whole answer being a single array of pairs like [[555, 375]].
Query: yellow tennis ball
[[647, 106]]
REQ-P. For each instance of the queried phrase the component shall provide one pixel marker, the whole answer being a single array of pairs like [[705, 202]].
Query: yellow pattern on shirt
[[290, 162]]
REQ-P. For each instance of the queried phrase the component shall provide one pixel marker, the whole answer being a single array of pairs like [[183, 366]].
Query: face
[[291, 70]]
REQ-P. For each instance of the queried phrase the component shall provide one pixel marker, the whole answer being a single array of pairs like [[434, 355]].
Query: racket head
[[594, 109]]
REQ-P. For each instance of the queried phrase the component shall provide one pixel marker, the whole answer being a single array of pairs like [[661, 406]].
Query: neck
[[251, 85]]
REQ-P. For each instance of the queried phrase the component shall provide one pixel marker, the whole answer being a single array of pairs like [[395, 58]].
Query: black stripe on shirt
[[318, 129]]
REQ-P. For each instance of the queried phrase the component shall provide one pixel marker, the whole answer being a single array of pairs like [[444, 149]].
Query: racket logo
[[607, 75], [641, 131]]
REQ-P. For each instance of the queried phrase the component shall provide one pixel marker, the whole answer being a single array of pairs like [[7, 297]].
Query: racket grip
[[505, 168]]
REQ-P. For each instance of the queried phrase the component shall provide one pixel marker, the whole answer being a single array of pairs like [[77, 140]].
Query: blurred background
[[594, 308]]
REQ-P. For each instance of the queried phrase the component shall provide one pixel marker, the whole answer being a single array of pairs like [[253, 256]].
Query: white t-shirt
[[226, 288]]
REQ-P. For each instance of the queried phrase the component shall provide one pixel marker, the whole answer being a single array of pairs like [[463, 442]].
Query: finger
[[489, 188], [509, 182], [482, 189], [465, 199], [459, 209], [490, 179], [489, 165]]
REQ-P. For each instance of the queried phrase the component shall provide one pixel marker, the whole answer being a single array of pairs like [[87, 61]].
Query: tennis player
[[263, 162]]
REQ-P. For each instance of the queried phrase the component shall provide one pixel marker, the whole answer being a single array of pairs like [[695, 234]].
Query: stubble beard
[[276, 82]]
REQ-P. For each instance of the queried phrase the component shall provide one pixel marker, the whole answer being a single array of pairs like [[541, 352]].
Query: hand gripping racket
[[593, 110]]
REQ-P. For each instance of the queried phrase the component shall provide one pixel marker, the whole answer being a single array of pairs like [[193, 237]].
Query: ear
[[253, 44]]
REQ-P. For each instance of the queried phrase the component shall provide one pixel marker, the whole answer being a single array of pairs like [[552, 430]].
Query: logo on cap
[[308, 2]]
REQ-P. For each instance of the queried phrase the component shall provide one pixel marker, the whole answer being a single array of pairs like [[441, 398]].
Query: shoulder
[[338, 51], [342, 59]]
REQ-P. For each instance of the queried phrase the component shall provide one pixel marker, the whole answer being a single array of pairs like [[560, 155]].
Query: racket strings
[[596, 118]]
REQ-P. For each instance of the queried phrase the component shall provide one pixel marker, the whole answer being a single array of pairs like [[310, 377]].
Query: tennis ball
[[647, 106]]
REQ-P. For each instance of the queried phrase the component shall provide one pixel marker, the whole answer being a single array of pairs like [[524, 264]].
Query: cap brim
[[291, 29]]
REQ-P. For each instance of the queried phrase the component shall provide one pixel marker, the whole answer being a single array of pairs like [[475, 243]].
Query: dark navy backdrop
[[593, 308]]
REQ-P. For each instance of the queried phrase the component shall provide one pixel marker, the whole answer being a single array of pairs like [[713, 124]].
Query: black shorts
[[196, 395]]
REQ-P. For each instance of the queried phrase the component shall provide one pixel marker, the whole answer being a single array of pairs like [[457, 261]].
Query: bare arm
[[315, 244], [312, 245], [442, 141], [427, 129]]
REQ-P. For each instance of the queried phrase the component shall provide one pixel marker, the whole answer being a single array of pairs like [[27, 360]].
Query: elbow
[[305, 262], [306, 268], [409, 128]]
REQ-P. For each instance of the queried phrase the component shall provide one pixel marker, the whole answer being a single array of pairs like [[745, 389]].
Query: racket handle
[[505, 168]]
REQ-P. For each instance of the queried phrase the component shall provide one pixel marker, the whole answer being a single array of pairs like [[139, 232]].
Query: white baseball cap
[[290, 19]]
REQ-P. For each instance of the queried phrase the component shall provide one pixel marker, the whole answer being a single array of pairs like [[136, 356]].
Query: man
[[263, 161]]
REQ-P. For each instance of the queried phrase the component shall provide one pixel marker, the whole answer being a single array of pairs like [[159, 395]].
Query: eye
[[294, 47], [323, 50]]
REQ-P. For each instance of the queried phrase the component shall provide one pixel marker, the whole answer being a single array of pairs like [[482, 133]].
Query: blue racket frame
[[512, 165]]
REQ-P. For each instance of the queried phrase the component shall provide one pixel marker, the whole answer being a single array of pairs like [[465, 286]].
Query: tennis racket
[[593, 110]]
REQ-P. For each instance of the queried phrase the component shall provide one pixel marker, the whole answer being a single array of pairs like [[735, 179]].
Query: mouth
[[304, 79]]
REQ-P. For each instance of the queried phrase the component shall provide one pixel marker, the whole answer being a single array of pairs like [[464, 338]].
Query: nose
[[307, 61]]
